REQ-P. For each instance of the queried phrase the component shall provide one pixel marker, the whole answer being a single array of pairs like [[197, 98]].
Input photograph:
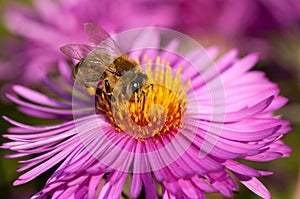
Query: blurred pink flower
[[95, 158], [249, 25], [236, 18], [48, 25]]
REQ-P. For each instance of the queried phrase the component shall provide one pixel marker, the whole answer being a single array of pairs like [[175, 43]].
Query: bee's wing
[[77, 51], [97, 35], [100, 37], [104, 43]]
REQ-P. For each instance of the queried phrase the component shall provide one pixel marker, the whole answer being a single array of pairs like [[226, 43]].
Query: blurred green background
[[283, 68]]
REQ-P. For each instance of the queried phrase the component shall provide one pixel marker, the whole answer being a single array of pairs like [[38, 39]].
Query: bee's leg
[[107, 86], [109, 96], [98, 91], [100, 105], [108, 91]]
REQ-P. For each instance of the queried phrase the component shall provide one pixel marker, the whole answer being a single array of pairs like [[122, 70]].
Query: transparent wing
[[77, 51], [100, 37], [106, 49], [95, 33]]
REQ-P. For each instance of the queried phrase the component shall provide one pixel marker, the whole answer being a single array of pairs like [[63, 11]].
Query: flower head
[[183, 128]]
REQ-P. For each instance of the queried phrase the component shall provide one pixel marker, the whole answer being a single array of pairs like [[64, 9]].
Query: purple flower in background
[[196, 150], [47, 25], [248, 25], [242, 18]]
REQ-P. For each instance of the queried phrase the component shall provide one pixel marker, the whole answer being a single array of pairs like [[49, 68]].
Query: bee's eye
[[138, 82], [135, 85]]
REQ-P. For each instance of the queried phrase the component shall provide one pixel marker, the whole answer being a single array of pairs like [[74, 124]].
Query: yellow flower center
[[156, 108]]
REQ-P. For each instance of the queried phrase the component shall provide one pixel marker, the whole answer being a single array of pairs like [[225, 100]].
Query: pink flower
[[249, 25], [237, 19], [50, 24], [210, 122]]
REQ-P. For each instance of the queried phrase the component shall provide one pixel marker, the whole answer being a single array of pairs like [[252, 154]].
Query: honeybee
[[102, 64]]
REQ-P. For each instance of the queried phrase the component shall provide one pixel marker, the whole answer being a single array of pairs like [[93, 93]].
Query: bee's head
[[138, 82]]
